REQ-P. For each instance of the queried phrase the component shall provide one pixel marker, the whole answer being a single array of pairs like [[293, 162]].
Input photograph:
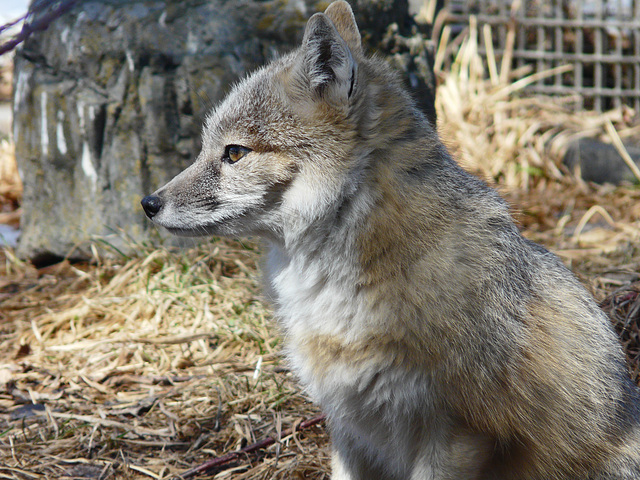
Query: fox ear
[[341, 15], [328, 61]]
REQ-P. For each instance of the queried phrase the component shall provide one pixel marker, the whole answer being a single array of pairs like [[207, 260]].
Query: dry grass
[[6, 77], [144, 367], [501, 133], [10, 185]]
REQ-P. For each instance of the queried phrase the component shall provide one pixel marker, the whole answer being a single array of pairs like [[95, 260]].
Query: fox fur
[[440, 343]]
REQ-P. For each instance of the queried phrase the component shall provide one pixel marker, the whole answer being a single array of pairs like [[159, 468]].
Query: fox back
[[440, 342]]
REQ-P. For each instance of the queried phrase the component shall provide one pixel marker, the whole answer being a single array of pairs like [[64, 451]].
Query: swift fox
[[440, 343]]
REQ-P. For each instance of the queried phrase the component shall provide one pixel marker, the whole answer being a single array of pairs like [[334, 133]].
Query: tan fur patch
[[327, 352]]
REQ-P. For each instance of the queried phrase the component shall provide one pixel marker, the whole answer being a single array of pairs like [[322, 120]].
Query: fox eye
[[233, 153]]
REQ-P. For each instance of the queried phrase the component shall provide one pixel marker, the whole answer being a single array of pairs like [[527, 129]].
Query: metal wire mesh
[[600, 38]]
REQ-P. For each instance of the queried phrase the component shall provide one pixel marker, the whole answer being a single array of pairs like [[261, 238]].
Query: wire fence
[[599, 38]]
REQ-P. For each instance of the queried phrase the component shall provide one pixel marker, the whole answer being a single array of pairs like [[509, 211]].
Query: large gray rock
[[108, 102], [600, 162]]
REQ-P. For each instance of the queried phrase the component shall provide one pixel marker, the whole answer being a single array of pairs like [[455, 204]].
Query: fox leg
[[349, 462], [339, 470]]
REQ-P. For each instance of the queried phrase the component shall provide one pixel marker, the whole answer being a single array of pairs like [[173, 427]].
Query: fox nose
[[152, 205]]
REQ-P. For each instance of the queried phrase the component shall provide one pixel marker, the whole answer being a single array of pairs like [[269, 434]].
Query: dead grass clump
[[6, 77], [144, 367], [10, 185], [500, 132]]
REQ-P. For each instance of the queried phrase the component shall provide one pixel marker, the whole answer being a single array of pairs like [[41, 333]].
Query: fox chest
[[312, 295], [339, 345], [369, 389], [337, 336], [320, 312]]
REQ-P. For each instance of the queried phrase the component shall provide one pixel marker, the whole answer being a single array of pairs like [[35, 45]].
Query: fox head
[[286, 146]]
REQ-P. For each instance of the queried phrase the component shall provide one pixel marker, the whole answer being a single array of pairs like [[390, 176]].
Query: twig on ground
[[264, 443]]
